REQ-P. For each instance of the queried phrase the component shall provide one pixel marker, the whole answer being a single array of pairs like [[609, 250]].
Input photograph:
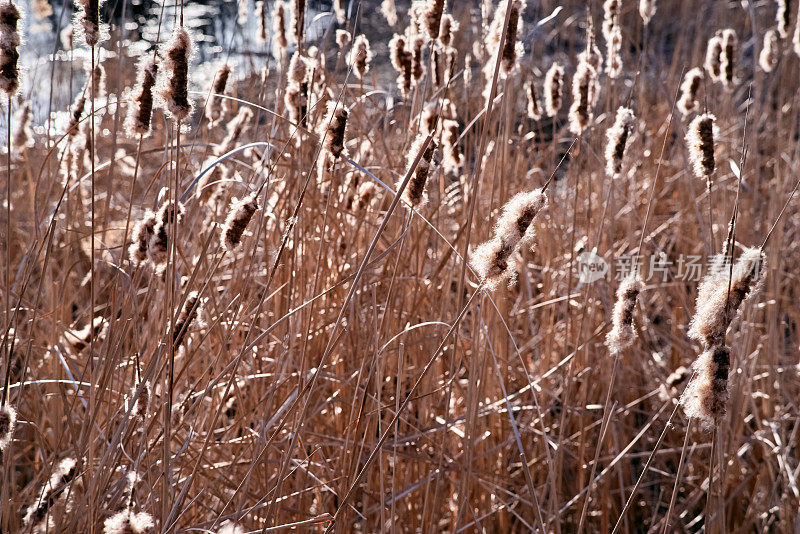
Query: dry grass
[[320, 356]]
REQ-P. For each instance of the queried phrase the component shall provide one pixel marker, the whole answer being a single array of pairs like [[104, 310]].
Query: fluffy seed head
[[614, 59], [610, 18], [343, 38], [142, 234], [9, 42], [140, 111], [706, 398], [796, 36], [239, 215], [389, 12], [360, 56], [533, 110], [584, 89], [647, 10], [770, 52], [279, 27], [174, 85], [402, 63], [89, 18], [298, 21], [217, 106], [189, 312], [433, 17], [129, 522], [622, 334], [414, 193], [553, 88], [158, 249], [728, 57], [453, 157], [448, 28], [690, 90], [336, 123], [784, 18], [617, 137], [22, 137], [700, 142], [713, 63], [8, 418]]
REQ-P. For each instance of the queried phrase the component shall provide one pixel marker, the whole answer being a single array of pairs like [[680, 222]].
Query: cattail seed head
[[298, 20], [236, 127], [82, 338], [239, 215], [76, 112], [622, 334], [414, 193], [343, 38], [533, 110], [513, 229], [336, 122], [261, 17], [142, 234], [713, 63], [553, 88], [647, 10], [584, 90], [279, 27], [142, 405], [298, 69], [22, 138], [716, 308], [784, 18], [706, 398], [728, 57], [389, 12], [453, 157], [678, 376], [129, 522], [174, 85], [617, 137], [614, 59], [700, 142], [796, 36], [360, 56], [217, 106], [52, 493], [189, 313], [417, 67], [690, 90], [433, 17], [770, 53], [9, 42], [141, 110], [89, 18], [402, 63], [610, 17], [448, 27], [158, 249], [8, 419]]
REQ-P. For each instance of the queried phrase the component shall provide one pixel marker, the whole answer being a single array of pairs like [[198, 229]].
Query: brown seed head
[[141, 109], [174, 85]]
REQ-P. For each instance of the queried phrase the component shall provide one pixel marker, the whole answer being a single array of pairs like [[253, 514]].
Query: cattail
[[690, 89], [429, 119], [796, 36], [533, 109], [700, 142], [239, 215], [89, 18], [713, 63], [414, 193], [298, 21], [513, 229], [23, 131], [401, 61], [8, 418], [96, 82], [451, 55], [584, 89], [158, 249], [417, 67], [433, 17], [453, 158], [343, 39], [617, 137], [610, 18], [80, 339], [512, 45], [716, 307], [142, 405], [189, 313], [728, 57], [389, 12], [63, 474], [217, 105], [296, 101], [298, 69], [142, 234], [614, 59], [647, 10], [553, 88], [236, 128], [279, 27], [784, 18], [141, 110], [591, 54], [336, 122], [448, 27], [9, 42], [706, 397], [360, 56], [76, 112], [129, 522], [437, 68], [622, 334], [174, 87], [261, 16], [770, 52], [678, 377], [338, 8]]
